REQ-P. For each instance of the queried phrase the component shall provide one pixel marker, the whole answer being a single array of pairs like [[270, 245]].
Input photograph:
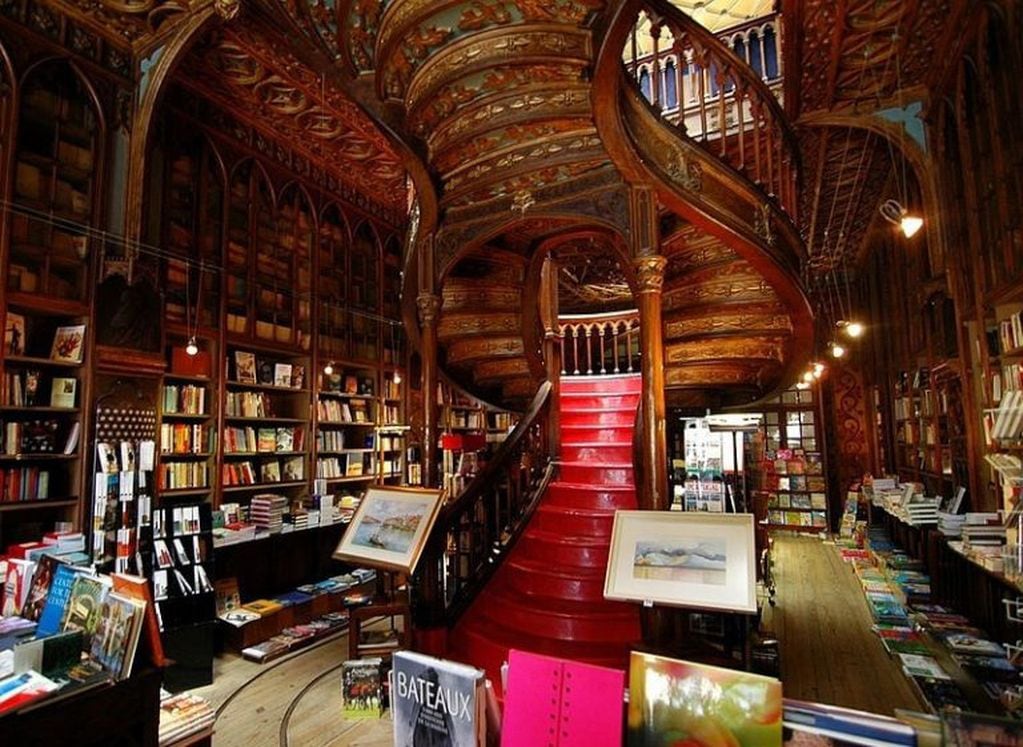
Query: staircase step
[[602, 384], [597, 452], [586, 400], [597, 417], [579, 522], [574, 433], [597, 474], [578, 495], [562, 549], [536, 578], [602, 622]]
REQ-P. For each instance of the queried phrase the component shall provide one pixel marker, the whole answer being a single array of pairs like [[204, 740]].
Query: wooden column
[[652, 482], [429, 308], [654, 446], [551, 348]]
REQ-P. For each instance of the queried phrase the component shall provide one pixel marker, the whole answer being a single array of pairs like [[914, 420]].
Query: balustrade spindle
[[561, 341], [575, 349], [589, 351], [722, 119], [600, 335], [655, 88], [740, 118]]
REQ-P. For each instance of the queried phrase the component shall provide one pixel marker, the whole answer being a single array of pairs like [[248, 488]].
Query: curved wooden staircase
[[548, 595]]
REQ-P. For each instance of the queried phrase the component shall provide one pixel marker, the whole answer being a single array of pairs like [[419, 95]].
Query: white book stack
[[266, 511], [983, 529], [951, 525], [923, 511]]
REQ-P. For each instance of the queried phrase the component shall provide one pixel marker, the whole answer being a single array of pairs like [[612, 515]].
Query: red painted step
[[565, 620], [612, 453], [539, 579], [600, 416], [602, 384], [585, 400], [578, 495], [597, 474], [586, 433], [579, 522], [561, 549]]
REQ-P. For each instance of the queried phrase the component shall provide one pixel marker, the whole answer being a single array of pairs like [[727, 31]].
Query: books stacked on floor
[[183, 715], [296, 637], [266, 511], [951, 525]]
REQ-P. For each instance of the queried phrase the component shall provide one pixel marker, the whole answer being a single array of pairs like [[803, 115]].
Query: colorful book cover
[[360, 688], [16, 584], [436, 702], [85, 607], [117, 634], [137, 587], [56, 600], [39, 590], [581, 702], [679, 702]]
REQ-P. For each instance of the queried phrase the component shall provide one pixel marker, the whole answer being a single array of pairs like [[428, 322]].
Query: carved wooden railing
[[599, 344], [477, 528], [736, 117]]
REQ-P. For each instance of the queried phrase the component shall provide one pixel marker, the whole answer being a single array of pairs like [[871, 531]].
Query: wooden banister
[[599, 344], [476, 529]]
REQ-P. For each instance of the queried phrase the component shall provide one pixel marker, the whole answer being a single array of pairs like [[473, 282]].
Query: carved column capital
[[429, 308], [650, 273]]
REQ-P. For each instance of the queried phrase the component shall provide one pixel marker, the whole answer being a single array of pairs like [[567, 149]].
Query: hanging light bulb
[[808, 376], [818, 370], [910, 224], [397, 376], [837, 351], [854, 329], [192, 348], [329, 368], [897, 215]]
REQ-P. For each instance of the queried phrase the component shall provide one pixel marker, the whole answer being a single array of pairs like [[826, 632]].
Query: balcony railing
[[725, 102], [599, 344]]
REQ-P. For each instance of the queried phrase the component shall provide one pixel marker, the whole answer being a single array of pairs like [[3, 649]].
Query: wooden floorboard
[[823, 624]]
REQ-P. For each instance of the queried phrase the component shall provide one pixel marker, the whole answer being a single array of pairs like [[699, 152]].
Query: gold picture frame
[[683, 559], [390, 527]]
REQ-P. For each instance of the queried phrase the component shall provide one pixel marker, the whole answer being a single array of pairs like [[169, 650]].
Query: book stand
[[391, 603]]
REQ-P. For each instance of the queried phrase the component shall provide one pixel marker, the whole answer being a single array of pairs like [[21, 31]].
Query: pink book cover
[[559, 703]]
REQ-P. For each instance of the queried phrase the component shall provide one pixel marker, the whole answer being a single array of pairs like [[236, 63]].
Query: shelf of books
[[47, 304], [792, 469], [264, 444], [347, 429]]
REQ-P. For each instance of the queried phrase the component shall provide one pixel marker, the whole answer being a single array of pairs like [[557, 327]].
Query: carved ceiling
[[591, 278], [854, 58], [261, 82], [135, 24]]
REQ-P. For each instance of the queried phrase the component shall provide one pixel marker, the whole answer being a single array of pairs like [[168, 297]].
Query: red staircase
[[548, 596]]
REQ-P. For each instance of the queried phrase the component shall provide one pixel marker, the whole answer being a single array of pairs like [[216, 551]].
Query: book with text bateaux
[[437, 702], [582, 703]]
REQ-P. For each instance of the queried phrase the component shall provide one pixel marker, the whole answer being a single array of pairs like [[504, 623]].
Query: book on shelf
[[68, 344], [117, 634], [437, 702], [62, 391], [244, 367], [137, 587], [282, 375], [14, 334], [85, 606]]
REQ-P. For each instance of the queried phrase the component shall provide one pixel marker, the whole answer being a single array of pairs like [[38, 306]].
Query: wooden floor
[[828, 652], [829, 655]]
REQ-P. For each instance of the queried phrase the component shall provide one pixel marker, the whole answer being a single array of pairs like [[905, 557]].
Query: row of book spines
[[244, 473], [1010, 332], [185, 438], [347, 465], [38, 438], [797, 518], [332, 411], [184, 400], [24, 484], [180, 475], [241, 440]]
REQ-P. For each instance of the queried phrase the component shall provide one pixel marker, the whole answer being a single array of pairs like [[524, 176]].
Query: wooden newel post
[[654, 440], [429, 309], [551, 348]]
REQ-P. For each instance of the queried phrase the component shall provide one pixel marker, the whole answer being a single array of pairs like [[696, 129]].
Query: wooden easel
[[391, 602]]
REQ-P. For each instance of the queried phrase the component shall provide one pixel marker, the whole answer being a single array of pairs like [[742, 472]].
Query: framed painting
[[698, 560], [390, 527]]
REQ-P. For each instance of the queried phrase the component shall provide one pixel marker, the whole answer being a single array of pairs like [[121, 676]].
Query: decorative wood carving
[[649, 273]]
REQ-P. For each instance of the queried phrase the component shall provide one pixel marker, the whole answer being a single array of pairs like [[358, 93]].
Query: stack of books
[[266, 511], [983, 529], [183, 715], [951, 525], [922, 512]]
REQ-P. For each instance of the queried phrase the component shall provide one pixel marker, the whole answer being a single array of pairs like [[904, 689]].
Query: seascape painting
[[698, 560], [391, 525]]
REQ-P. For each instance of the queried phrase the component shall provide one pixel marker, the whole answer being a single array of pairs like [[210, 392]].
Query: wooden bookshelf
[[347, 412]]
